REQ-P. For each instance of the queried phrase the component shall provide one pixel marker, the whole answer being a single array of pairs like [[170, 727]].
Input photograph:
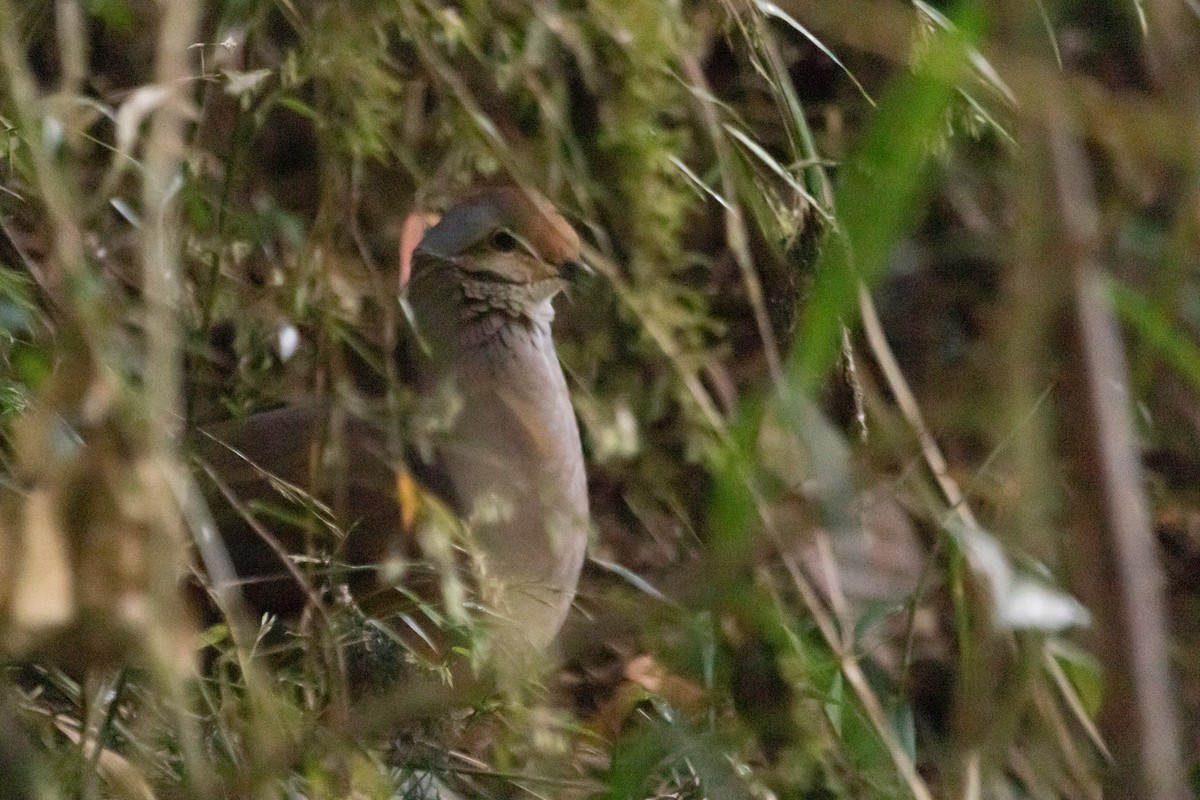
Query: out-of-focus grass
[[741, 215], [1171, 343]]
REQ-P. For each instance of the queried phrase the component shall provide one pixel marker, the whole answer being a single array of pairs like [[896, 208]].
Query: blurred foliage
[[781, 599]]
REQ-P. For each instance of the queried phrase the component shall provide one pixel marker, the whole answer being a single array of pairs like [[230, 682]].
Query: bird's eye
[[504, 241]]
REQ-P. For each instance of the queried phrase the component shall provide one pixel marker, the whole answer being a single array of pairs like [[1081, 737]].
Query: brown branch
[[1113, 538]]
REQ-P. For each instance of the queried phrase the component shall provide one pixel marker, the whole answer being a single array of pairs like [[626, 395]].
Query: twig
[[736, 234], [67, 236], [911, 410], [161, 252], [848, 664], [1113, 536]]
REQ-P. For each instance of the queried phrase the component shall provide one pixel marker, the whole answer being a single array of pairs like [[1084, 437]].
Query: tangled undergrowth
[[878, 496]]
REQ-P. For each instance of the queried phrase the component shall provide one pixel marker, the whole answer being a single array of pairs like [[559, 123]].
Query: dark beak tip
[[575, 270]]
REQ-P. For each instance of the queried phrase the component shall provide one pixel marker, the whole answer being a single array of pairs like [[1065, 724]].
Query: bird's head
[[511, 249]]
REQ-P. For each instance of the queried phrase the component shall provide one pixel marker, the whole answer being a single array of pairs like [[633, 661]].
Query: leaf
[[765, 157], [881, 186], [16, 303], [44, 594], [1084, 672], [639, 757], [244, 83], [141, 103], [631, 577], [1020, 601], [1158, 331], [772, 10]]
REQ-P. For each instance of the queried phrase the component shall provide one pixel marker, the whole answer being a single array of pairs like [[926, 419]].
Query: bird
[[493, 438]]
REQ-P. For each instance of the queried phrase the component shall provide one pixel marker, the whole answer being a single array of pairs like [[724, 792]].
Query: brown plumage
[[494, 424]]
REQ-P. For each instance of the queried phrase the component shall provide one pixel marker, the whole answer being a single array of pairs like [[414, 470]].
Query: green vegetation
[[888, 387]]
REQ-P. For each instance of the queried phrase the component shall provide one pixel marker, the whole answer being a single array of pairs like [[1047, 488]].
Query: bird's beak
[[574, 270]]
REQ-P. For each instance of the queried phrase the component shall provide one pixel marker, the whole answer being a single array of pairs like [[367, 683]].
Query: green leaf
[[772, 10], [882, 184], [31, 365], [1158, 331], [16, 303], [1084, 672], [116, 14]]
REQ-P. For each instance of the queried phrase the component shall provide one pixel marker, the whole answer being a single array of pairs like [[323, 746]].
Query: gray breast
[[513, 457]]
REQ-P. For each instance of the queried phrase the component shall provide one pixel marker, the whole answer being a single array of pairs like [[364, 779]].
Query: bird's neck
[[459, 318], [496, 358]]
